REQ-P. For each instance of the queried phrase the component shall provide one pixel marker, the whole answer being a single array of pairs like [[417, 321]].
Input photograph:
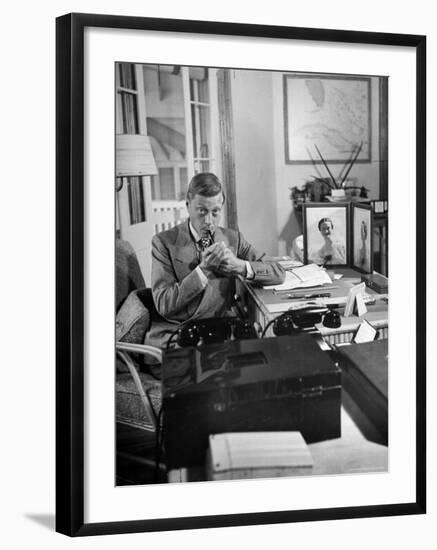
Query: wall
[[258, 110], [252, 105], [289, 175]]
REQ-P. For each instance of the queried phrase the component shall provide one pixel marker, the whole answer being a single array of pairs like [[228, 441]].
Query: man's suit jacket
[[177, 290]]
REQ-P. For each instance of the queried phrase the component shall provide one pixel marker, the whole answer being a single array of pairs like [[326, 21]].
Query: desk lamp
[[133, 157]]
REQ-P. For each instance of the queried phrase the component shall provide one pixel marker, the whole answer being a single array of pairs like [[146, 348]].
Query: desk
[[262, 305], [360, 448], [350, 453]]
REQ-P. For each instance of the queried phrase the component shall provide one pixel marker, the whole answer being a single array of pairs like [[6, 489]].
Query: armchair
[[138, 393]]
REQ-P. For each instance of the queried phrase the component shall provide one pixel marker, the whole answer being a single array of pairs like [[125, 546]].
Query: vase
[[338, 194]]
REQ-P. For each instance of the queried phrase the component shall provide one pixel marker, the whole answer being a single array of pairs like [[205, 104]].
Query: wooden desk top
[[277, 302], [272, 304]]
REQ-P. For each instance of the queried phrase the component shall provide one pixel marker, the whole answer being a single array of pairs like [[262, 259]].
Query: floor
[[136, 457], [361, 448]]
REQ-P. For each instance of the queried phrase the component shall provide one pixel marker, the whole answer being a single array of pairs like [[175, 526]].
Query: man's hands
[[220, 259], [231, 265]]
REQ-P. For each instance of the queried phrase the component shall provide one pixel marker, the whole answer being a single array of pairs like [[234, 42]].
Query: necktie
[[205, 241]]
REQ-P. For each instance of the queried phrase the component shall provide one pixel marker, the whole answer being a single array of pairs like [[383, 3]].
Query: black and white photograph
[[179, 372], [326, 234], [209, 373], [229, 292], [362, 230]]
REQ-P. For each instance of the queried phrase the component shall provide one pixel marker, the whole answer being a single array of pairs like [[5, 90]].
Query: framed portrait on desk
[[362, 237], [326, 234], [103, 64]]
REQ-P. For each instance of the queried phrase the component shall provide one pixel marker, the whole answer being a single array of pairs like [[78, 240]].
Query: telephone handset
[[214, 330]]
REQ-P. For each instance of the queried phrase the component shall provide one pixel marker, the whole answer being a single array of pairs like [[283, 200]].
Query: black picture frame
[[368, 210], [338, 85], [70, 483], [339, 214]]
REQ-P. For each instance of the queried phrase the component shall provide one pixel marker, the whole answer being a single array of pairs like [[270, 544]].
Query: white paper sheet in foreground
[[302, 277]]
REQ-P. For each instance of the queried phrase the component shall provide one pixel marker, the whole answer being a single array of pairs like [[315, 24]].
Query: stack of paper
[[301, 277], [257, 455]]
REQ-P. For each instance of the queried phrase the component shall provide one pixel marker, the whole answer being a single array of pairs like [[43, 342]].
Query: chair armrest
[[123, 350], [143, 349]]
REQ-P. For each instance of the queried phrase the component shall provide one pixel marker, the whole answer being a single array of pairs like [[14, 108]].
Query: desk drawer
[[347, 336]]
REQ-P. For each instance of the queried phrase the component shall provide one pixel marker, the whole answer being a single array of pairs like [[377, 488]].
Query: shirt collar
[[193, 232]]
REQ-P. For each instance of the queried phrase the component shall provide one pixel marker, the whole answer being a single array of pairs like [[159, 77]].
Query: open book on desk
[[302, 277]]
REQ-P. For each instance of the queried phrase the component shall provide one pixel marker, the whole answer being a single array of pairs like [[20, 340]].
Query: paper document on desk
[[289, 305], [301, 277], [289, 264]]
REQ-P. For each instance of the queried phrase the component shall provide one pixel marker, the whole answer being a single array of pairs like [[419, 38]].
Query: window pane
[[136, 200], [166, 184], [165, 109], [201, 166], [129, 112], [183, 177], [127, 76], [201, 131]]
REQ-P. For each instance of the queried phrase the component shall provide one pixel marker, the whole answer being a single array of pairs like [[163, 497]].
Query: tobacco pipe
[[206, 240]]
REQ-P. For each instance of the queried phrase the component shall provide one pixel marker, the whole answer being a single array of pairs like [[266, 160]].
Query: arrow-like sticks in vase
[[316, 168], [351, 164], [326, 166], [346, 164], [351, 161]]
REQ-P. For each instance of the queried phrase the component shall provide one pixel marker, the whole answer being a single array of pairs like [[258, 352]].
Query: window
[[136, 200], [127, 122], [179, 113], [176, 107], [200, 117]]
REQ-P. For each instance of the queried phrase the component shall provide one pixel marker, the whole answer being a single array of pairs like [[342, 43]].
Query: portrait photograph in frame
[[74, 517], [362, 235], [326, 234]]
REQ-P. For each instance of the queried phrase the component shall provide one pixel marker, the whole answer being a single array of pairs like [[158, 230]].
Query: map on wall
[[329, 113]]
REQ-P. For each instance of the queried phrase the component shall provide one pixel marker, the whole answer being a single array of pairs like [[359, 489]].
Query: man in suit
[[195, 263]]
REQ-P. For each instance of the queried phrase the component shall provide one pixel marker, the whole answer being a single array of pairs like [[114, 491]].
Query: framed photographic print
[[143, 107], [326, 233], [362, 235], [327, 116]]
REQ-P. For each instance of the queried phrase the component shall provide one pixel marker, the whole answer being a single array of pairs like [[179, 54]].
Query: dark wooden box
[[275, 384], [365, 379]]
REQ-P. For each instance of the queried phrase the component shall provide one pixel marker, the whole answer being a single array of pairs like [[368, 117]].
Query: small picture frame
[[362, 242], [326, 234]]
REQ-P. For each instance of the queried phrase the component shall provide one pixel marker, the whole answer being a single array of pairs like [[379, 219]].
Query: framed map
[[326, 114]]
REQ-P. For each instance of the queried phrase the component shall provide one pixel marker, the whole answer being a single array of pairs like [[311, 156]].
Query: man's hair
[[325, 220], [205, 184]]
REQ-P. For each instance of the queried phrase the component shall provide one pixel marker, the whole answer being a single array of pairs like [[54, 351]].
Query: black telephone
[[292, 321], [214, 330], [309, 316]]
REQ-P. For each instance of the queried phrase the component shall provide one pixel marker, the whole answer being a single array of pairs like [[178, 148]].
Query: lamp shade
[[134, 156]]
